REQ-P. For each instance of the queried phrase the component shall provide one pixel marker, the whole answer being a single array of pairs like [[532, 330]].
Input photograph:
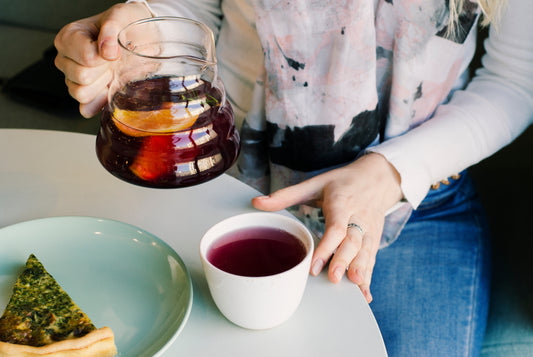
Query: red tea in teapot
[[168, 132]]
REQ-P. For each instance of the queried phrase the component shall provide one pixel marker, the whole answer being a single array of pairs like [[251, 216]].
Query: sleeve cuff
[[414, 178]]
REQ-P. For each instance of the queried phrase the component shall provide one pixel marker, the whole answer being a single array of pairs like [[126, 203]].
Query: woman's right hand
[[87, 49]]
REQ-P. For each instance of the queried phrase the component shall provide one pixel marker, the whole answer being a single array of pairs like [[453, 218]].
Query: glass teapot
[[167, 123]]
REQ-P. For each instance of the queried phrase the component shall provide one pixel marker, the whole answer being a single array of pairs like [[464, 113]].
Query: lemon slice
[[142, 123]]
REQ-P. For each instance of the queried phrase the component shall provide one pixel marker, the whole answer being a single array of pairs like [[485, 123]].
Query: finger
[[92, 108], [112, 22], [347, 251], [305, 191], [361, 266], [108, 46], [87, 93], [365, 289], [77, 42], [335, 231], [80, 74]]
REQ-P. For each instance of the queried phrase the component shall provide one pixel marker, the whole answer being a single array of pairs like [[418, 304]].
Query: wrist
[[387, 177]]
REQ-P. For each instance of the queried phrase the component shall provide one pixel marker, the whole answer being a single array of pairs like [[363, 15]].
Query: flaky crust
[[99, 343]]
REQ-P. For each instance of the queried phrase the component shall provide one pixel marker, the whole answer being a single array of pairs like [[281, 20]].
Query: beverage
[[167, 132], [256, 251], [256, 266]]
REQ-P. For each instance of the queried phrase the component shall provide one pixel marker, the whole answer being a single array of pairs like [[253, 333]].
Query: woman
[[349, 112]]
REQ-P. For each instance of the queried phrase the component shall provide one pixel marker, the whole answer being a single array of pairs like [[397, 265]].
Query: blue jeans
[[431, 286]]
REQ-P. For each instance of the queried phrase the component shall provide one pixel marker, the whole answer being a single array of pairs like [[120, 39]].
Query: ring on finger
[[356, 226]]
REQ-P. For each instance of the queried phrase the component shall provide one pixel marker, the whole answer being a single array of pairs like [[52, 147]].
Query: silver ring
[[356, 226]]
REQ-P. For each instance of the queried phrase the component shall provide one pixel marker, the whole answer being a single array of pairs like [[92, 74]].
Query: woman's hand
[[359, 193], [87, 50]]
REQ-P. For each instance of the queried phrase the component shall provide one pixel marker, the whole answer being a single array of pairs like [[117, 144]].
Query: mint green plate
[[121, 276]]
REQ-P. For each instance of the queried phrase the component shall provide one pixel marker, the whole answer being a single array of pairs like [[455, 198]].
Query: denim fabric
[[431, 286]]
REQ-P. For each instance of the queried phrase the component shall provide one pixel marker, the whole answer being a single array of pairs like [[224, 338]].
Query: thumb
[[305, 191], [107, 40]]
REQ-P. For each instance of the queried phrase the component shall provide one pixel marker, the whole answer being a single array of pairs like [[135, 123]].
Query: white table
[[51, 173]]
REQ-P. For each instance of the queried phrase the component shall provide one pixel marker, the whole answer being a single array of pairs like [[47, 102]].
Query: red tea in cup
[[256, 251]]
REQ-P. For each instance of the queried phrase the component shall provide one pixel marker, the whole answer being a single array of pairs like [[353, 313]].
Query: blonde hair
[[491, 10]]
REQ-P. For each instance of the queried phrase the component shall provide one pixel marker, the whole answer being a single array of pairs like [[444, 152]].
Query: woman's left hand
[[359, 193]]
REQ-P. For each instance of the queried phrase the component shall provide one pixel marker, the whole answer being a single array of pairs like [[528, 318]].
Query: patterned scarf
[[341, 75]]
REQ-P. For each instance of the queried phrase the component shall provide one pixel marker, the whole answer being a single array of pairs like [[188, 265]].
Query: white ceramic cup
[[257, 302]]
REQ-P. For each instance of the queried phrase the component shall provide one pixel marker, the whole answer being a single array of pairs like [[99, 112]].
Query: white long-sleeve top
[[466, 127], [495, 108]]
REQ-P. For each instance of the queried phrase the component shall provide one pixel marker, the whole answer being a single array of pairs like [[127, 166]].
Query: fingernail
[[317, 267], [367, 295], [86, 112], [261, 197], [108, 49]]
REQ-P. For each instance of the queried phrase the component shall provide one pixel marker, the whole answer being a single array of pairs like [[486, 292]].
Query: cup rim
[[203, 246]]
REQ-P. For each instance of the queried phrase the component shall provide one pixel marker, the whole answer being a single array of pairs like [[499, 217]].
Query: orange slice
[[154, 159], [161, 121]]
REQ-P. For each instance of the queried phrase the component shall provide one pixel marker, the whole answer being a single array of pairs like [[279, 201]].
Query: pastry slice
[[42, 320]]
